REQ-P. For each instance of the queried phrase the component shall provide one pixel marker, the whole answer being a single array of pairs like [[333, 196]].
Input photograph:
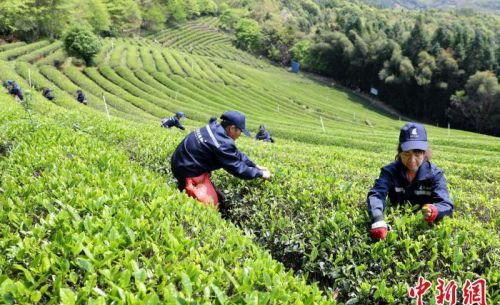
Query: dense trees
[[478, 107], [416, 60], [34, 19], [248, 34]]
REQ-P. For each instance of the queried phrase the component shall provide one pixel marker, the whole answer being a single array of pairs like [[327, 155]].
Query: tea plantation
[[89, 211]]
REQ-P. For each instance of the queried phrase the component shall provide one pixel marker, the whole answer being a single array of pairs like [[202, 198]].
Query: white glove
[[379, 224], [266, 174]]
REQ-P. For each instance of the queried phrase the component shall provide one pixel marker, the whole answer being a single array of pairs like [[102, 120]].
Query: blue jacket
[[210, 148], [171, 122], [16, 90], [81, 97], [429, 186], [264, 136]]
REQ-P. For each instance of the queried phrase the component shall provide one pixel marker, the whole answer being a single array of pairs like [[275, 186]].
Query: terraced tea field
[[86, 216]]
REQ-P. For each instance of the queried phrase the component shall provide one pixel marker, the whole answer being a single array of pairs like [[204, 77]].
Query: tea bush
[[93, 228]]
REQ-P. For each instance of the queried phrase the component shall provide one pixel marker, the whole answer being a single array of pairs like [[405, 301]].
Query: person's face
[[412, 159], [233, 132]]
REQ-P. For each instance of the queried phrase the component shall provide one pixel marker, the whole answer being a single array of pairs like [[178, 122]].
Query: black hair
[[427, 153], [226, 123]]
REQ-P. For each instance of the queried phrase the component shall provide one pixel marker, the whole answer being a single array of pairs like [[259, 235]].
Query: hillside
[[490, 6], [95, 223]]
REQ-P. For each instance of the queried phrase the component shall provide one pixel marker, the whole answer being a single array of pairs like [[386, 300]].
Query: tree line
[[31, 20], [436, 66]]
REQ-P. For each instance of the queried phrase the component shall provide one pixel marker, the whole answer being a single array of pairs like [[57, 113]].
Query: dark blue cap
[[237, 118], [179, 114], [413, 136]]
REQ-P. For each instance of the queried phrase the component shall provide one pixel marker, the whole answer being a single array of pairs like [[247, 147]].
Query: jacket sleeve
[[247, 160], [440, 196], [178, 124], [377, 195], [237, 163]]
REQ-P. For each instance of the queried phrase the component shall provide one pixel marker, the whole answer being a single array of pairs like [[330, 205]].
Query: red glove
[[378, 230], [430, 212]]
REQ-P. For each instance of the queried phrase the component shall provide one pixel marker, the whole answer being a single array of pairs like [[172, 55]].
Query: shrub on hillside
[[81, 42], [248, 34]]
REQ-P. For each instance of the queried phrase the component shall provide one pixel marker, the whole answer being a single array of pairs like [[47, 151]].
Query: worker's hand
[[430, 212], [379, 230], [266, 174]]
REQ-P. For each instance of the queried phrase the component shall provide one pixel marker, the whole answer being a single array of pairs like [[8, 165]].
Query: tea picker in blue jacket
[[48, 94], [412, 177], [173, 121], [263, 135], [210, 148], [14, 89], [80, 97]]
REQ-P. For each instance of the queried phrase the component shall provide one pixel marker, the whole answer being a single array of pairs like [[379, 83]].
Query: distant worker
[[410, 178], [210, 148], [80, 97], [212, 119], [173, 121], [7, 83], [47, 93], [263, 135], [14, 89]]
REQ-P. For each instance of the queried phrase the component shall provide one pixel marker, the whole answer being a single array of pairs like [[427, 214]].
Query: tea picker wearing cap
[[14, 89], [412, 177], [263, 135], [210, 148], [174, 121]]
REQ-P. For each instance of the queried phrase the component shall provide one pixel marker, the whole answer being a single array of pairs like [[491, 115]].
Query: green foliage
[[86, 242], [207, 7], [479, 105], [125, 17], [463, 7], [153, 18], [81, 42], [191, 7], [408, 82], [332, 55], [228, 19], [418, 40], [96, 14], [32, 20], [426, 65], [248, 35], [300, 51], [175, 11], [480, 55]]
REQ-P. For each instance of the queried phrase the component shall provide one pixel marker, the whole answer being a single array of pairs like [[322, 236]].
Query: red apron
[[202, 189]]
